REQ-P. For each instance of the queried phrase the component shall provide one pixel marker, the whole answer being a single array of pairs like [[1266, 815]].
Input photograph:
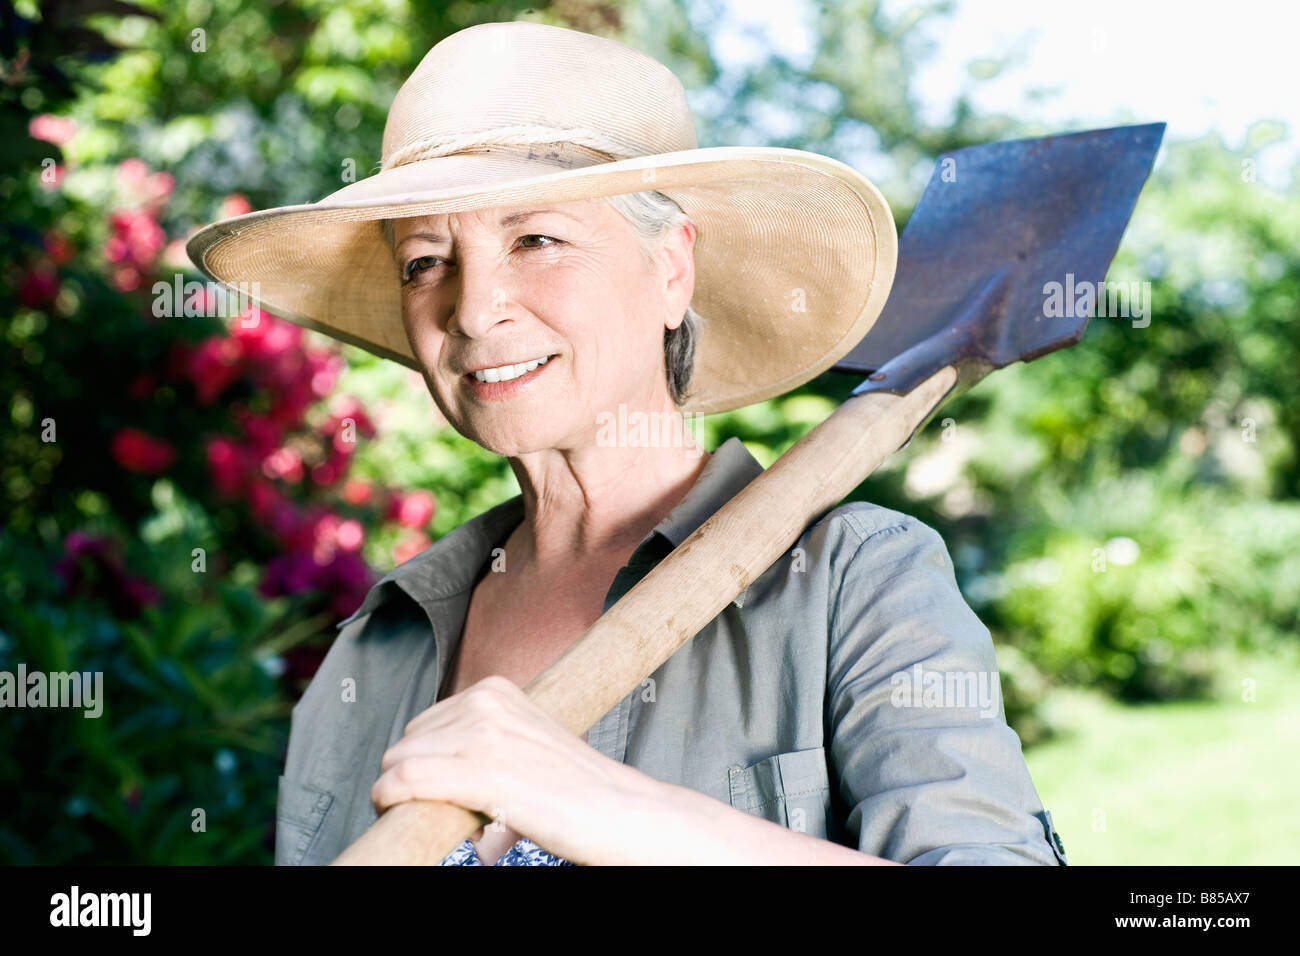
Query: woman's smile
[[493, 386]]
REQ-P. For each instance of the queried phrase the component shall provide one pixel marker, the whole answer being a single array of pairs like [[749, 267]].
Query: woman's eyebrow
[[512, 219], [431, 236], [515, 218]]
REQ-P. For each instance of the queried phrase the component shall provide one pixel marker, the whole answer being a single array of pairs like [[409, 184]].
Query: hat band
[[507, 136]]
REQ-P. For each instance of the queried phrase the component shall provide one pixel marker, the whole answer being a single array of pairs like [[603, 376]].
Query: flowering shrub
[[176, 514]]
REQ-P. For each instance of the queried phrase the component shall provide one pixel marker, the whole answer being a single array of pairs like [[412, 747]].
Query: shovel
[[997, 225]]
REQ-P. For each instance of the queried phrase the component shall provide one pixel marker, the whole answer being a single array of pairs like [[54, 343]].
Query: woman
[[535, 244]]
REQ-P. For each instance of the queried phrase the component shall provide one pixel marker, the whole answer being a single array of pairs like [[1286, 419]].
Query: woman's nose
[[482, 300]]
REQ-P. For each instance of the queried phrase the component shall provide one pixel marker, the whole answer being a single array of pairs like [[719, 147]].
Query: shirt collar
[[451, 565]]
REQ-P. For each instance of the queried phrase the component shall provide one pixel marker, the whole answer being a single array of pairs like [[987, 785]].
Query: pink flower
[[283, 463], [137, 238], [410, 547], [137, 451], [227, 463], [325, 368], [265, 500], [127, 278], [348, 422], [134, 246], [234, 205], [213, 366], [174, 255], [350, 535], [416, 509], [335, 534], [263, 336], [158, 187], [357, 492], [326, 473], [52, 129], [262, 435], [344, 576], [132, 172]]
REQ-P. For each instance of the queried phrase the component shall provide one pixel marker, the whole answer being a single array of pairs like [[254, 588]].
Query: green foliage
[[1130, 585], [192, 719]]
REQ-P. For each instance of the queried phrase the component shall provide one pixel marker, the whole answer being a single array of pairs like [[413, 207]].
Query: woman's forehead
[[587, 211]]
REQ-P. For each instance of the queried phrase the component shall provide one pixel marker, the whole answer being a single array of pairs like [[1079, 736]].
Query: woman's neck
[[598, 500]]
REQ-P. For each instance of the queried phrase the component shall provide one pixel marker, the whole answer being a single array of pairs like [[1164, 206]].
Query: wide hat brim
[[794, 256]]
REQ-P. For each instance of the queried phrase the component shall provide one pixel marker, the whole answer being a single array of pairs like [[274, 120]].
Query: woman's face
[[567, 282]]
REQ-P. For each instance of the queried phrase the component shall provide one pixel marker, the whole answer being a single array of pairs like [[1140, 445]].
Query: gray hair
[[652, 215]]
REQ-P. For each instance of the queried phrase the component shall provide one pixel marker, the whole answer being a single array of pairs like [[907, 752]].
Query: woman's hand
[[491, 749]]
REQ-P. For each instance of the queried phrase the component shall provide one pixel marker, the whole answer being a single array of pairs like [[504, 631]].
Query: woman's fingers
[[438, 777]]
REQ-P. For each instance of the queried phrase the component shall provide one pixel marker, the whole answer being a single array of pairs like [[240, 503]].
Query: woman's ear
[[677, 254]]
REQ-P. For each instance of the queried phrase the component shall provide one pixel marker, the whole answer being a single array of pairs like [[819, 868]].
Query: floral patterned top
[[524, 853]]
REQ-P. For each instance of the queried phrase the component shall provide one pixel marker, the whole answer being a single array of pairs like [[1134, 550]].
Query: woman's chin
[[509, 440]]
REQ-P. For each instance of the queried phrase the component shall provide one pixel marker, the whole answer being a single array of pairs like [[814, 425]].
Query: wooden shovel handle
[[681, 595]]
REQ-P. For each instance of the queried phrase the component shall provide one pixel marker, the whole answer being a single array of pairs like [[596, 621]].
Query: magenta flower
[[213, 366], [262, 434], [292, 573], [92, 565], [138, 451], [133, 247], [263, 336], [349, 579], [39, 286], [228, 465]]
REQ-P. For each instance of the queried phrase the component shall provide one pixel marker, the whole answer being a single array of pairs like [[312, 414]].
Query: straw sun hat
[[794, 255]]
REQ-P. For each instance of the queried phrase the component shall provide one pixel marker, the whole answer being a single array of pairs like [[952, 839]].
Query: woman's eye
[[418, 264], [421, 263], [550, 240]]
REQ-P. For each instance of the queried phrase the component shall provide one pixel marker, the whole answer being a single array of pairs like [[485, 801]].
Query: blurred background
[[189, 506]]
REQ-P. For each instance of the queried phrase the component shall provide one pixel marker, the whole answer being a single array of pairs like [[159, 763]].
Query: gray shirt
[[849, 693]]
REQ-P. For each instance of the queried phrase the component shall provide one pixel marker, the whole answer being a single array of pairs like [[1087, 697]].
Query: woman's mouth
[[509, 379]]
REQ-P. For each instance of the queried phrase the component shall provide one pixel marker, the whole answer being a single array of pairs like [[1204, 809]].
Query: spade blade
[[996, 225]]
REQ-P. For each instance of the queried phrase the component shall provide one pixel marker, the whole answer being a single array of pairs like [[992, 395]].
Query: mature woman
[[534, 245]]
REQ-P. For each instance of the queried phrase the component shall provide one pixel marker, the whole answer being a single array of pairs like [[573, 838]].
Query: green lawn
[[1206, 783]]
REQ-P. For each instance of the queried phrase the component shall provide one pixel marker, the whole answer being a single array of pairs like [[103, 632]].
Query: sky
[[1196, 65]]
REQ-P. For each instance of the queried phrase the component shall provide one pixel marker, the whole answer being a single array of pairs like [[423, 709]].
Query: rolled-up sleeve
[[929, 768]]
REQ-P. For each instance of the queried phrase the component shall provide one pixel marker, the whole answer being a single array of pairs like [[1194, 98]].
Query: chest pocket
[[792, 789], [300, 811]]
